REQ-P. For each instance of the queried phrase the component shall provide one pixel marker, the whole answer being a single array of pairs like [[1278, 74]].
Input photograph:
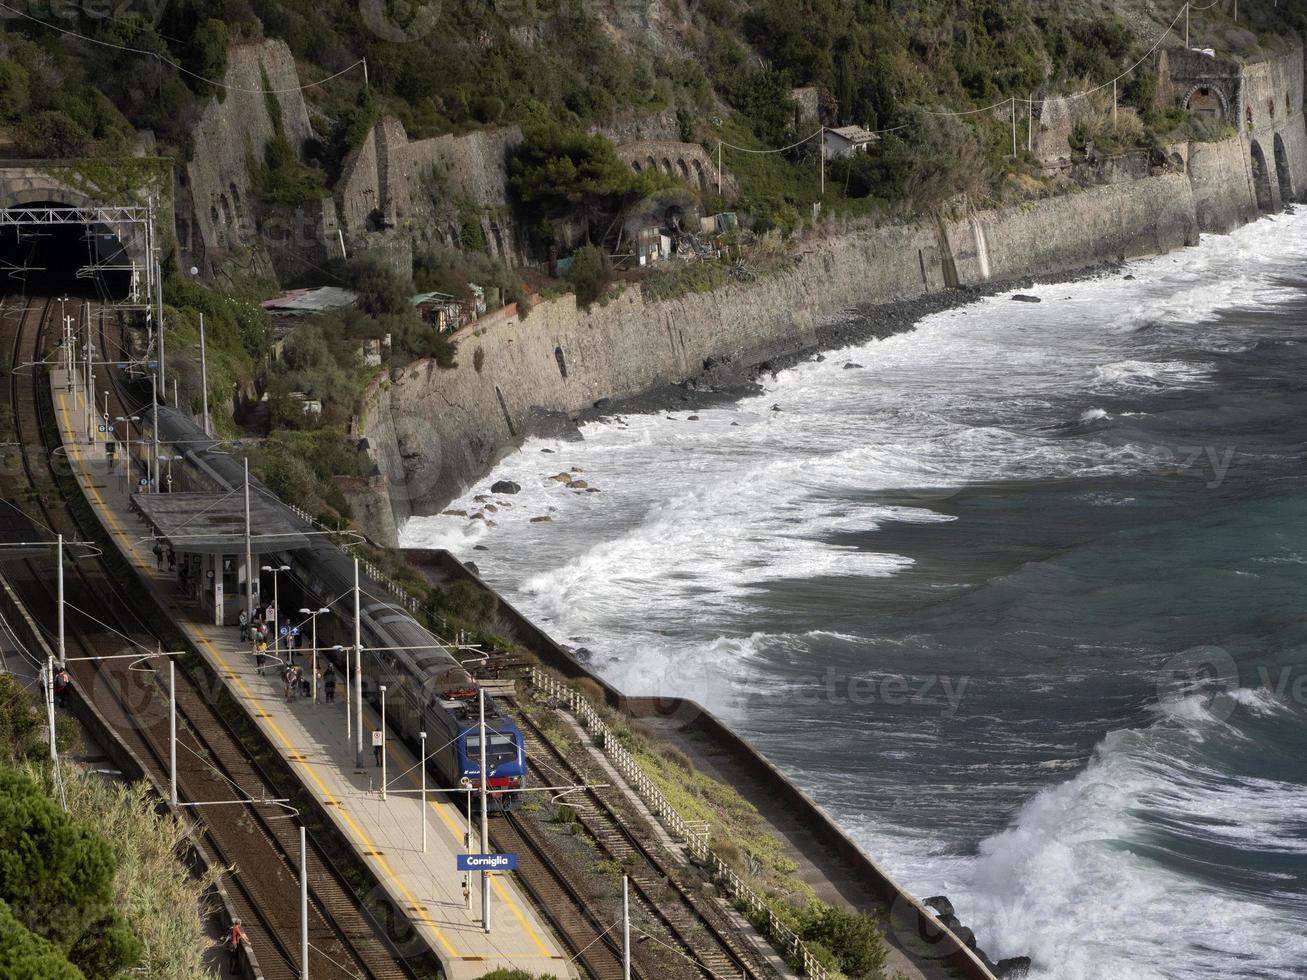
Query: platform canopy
[[214, 523]]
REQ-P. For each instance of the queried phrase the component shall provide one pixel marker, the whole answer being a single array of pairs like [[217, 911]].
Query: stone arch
[[1282, 171], [1207, 100], [235, 197], [43, 189], [1262, 180], [635, 165], [667, 166], [497, 234], [700, 177], [224, 206], [682, 169], [653, 164]]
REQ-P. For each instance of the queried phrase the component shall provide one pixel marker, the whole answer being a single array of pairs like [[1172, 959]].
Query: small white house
[[847, 140]]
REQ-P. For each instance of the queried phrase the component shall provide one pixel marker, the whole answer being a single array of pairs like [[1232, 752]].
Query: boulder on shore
[[940, 904], [505, 486], [1025, 298], [1013, 968], [546, 519]]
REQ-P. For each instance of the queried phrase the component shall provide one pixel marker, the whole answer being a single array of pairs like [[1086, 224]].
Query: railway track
[[259, 841], [695, 928]]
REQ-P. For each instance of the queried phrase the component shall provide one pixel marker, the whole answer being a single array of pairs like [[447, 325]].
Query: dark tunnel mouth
[[44, 260]]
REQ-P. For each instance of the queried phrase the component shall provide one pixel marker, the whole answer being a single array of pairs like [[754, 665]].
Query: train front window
[[501, 749]]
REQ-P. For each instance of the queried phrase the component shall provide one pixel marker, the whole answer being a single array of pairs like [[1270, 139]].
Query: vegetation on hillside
[[96, 892]]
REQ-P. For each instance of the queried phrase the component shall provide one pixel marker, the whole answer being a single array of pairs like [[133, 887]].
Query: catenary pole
[[60, 589], [204, 379], [154, 397], [383, 742], [626, 928], [250, 578], [49, 705], [172, 732], [304, 905], [485, 828], [422, 737], [358, 673]]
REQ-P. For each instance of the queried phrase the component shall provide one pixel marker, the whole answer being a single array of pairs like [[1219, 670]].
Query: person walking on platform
[[235, 937], [172, 558], [243, 621], [329, 684], [260, 654], [288, 682], [158, 555]]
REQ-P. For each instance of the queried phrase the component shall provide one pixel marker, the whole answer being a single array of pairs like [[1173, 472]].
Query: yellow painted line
[[294, 755], [443, 810], [118, 531]]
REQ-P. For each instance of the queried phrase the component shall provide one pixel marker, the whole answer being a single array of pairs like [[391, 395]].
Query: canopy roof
[[214, 523]]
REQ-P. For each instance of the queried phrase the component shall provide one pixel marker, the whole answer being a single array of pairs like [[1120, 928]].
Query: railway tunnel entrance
[[49, 248]]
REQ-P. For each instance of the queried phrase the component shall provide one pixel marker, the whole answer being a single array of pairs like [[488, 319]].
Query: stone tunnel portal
[[84, 260]]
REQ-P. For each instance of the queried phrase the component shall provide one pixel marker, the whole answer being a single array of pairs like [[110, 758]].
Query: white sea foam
[[666, 576]]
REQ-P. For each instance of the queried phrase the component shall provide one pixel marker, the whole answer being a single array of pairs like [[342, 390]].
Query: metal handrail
[[696, 841]]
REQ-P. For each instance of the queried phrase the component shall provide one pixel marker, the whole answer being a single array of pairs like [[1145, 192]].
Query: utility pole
[[204, 379], [719, 168], [1186, 25], [1014, 126], [485, 827], [358, 672], [1115, 105]]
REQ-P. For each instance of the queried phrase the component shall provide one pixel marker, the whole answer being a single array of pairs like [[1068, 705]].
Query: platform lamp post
[[276, 608], [358, 673], [383, 743], [422, 737], [304, 905], [485, 818], [154, 400], [127, 421], [313, 615], [251, 582]]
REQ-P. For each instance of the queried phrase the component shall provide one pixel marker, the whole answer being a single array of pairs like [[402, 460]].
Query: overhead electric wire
[[172, 64]]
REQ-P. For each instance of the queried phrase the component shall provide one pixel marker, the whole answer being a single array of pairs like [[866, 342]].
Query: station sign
[[487, 862]]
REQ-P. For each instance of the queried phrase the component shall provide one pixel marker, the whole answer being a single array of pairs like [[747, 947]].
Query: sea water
[[1019, 596]]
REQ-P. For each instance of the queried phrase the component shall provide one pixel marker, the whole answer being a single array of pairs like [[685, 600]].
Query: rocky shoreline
[[727, 380]]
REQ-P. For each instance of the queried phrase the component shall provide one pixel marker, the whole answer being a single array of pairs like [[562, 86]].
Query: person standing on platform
[[243, 621], [260, 654], [172, 558], [158, 554], [329, 684]]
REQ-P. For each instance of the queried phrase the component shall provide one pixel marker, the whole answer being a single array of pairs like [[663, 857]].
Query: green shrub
[[589, 274], [27, 956]]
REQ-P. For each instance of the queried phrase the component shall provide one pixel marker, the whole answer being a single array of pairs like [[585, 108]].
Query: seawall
[[433, 432]]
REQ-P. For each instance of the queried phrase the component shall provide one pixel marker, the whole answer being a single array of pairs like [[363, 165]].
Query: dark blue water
[[1020, 600]]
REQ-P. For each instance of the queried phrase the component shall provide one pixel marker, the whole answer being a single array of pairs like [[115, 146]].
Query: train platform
[[386, 835]]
